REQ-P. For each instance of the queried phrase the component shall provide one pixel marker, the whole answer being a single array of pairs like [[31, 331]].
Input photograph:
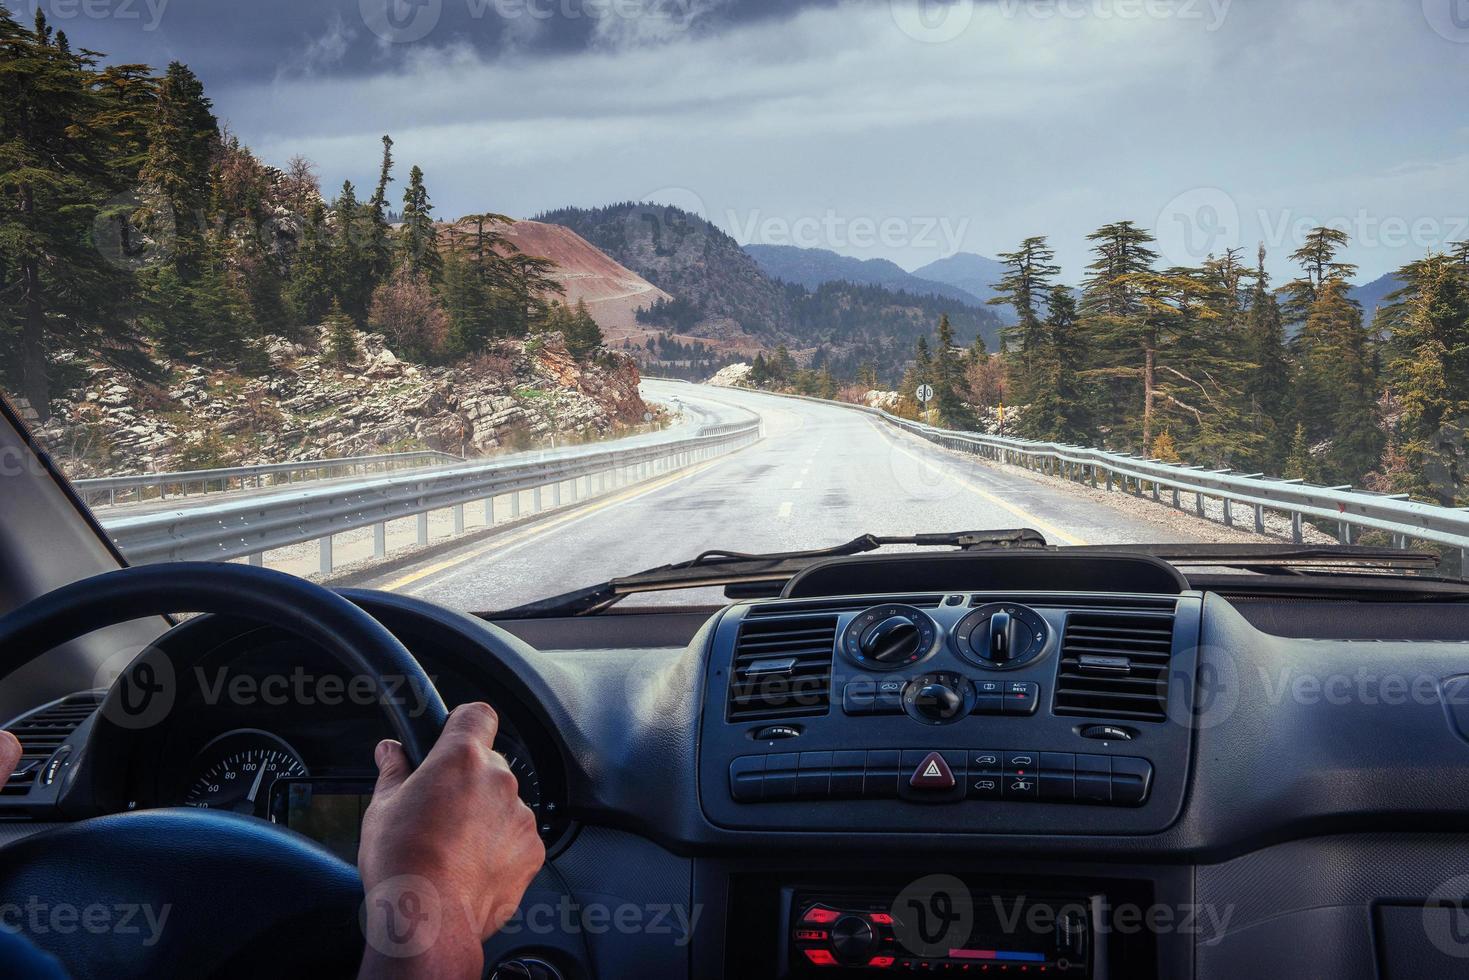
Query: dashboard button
[[1093, 779], [1021, 697], [858, 697], [813, 780], [1058, 777], [984, 774], [985, 760], [988, 704], [1020, 775], [747, 778], [847, 768], [1130, 780], [889, 697], [881, 779], [780, 775]]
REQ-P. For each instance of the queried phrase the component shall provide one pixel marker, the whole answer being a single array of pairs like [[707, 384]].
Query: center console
[[951, 712]]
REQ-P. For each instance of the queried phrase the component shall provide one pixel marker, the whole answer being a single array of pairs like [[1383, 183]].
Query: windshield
[[487, 302]]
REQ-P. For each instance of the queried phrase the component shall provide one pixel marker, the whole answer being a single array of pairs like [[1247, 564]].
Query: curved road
[[821, 475]]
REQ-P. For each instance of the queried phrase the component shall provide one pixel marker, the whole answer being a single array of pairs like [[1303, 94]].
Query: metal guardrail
[[1350, 509], [94, 491], [254, 525]]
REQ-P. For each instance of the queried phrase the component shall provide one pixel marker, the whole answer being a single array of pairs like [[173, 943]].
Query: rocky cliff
[[516, 395]]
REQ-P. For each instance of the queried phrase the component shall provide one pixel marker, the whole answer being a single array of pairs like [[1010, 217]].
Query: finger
[[10, 751], [392, 766], [475, 721]]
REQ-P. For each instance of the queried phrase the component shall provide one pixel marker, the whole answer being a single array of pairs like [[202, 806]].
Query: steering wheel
[[205, 893]]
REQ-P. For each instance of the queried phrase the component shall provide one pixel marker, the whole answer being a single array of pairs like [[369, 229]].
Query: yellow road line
[[542, 527], [1049, 530]]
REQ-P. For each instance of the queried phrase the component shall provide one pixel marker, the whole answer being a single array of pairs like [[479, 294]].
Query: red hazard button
[[932, 773]]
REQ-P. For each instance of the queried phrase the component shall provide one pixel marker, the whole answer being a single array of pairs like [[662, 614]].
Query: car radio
[[938, 925]]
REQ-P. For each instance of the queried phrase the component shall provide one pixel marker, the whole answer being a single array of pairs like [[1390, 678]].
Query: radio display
[[938, 924]]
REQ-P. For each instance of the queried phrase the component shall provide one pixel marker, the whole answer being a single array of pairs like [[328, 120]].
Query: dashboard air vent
[[782, 668], [41, 733], [1115, 665]]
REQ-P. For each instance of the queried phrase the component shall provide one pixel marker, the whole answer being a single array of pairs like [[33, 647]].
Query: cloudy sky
[[905, 129]]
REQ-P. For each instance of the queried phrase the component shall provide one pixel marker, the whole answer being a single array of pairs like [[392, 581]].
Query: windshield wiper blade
[[722, 567], [1022, 537]]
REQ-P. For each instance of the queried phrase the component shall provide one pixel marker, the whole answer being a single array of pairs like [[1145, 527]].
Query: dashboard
[[912, 766]]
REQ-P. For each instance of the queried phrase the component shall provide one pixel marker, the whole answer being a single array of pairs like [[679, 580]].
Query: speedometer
[[236, 770]]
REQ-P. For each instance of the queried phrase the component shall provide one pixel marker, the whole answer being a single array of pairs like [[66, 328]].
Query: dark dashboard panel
[[838, 759]]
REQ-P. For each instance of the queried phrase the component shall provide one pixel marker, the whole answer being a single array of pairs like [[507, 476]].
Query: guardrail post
[[535, 501], [489, 511], [423, 528], [1259, 519], [1175, 498], [1344, 532], [380, 540], [458, 518], [514, 505], [1228, 514], [1199, 504], [556, 494], [257, 558], [1295, 527], [1109, 481], [324, 563]]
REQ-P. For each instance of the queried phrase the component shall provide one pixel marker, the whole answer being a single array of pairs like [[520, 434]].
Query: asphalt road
[[821, 475]]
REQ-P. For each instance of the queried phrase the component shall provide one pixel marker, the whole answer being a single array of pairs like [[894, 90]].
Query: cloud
[[1020, 117]]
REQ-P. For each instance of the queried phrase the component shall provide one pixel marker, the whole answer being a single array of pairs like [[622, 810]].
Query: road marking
[[797, 484], [518, 538], [785, 510], [1049, 530]]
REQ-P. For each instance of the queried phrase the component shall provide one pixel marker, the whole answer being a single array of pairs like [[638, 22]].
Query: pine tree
[[1059, 410], [583, 335], [182, 140], [1317, 259], [1267, 383], [341, 337], [1428, 375], [1113, 318], [948, 380], [418, 249], [1299, 463], [1024, 287], [1338, 361], [312, 276], [57, 289], [354, 265]]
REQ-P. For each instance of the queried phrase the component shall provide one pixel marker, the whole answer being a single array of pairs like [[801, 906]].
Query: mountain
[[724, 300], [813, 267], [975, 274], [686, 256], [613, 293], [1372, 294]]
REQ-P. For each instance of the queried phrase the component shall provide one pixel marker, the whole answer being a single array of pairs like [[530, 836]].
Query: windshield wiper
[[723, 567], [1279, 559]]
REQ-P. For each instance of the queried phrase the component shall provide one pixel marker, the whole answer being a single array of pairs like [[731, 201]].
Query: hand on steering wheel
[[447, 852]]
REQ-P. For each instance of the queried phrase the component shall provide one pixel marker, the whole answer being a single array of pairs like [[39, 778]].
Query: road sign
[[925, 393]]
